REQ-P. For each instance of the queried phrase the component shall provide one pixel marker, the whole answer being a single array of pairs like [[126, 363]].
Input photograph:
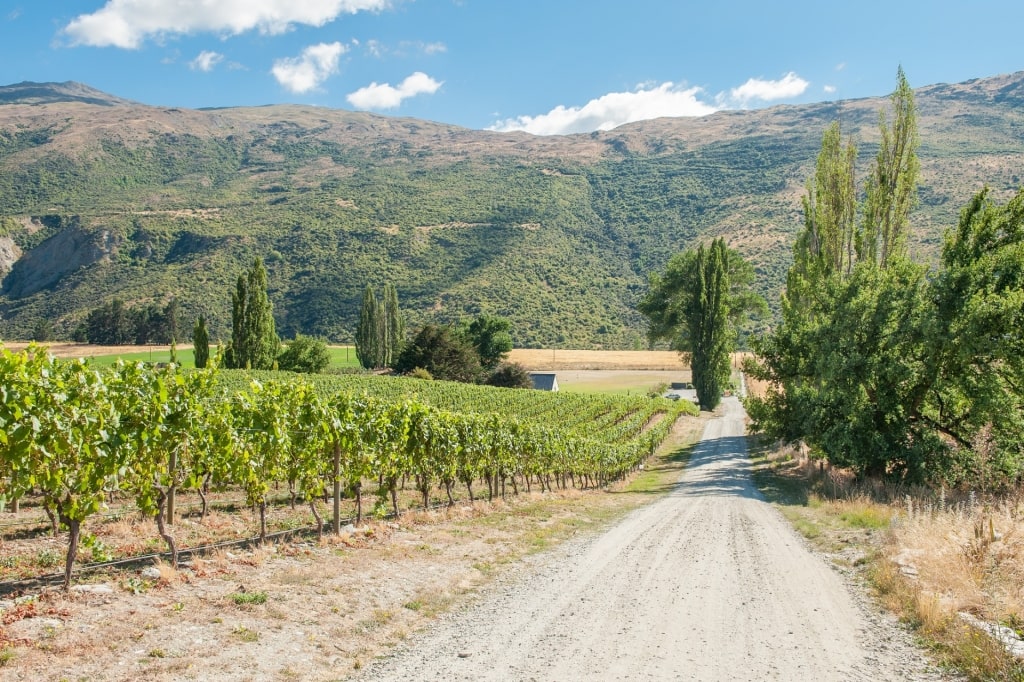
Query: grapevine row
[[74, 435]]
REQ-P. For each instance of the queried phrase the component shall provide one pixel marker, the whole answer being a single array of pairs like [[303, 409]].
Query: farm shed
[[544, 381]]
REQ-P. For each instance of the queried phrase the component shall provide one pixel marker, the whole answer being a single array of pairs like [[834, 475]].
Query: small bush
[[248, 598], [305, 354], [510, 375], [420, 373]]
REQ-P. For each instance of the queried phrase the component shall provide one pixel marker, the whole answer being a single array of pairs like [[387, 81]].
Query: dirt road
[[707, 583]]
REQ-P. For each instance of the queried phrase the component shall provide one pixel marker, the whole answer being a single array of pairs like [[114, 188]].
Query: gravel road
[[707, 583]]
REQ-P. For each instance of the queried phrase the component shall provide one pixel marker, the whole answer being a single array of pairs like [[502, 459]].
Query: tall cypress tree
[[254, 340], [394, 326], [201, 343], [370, 332], [698, 305]]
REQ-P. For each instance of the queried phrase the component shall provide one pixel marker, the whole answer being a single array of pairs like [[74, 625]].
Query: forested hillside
[[103, 198]]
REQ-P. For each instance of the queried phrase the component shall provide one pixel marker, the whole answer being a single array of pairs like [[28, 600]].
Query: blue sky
[[545, 66]]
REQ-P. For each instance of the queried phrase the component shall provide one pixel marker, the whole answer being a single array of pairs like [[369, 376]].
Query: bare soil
[[329, 608]]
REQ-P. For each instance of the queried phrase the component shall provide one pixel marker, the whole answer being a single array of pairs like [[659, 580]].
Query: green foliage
[[254, 343], [371, 333], [442, 352], [116, 324], [248, 598], [891, 186], [489, 335], [697, 305], [420, 373], [510, 375], [889, 370], [394, 325], [556, 237], [305, 354], [201, 343]]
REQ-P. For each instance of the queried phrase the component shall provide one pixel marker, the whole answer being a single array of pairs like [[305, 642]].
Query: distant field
[[341, 356], [624, 372], [558, 359], [618, 381]]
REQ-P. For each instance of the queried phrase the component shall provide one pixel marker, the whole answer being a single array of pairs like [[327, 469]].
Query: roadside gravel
[[707, 583]]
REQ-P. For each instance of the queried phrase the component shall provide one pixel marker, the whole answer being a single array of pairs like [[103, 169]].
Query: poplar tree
[[394, 326], [254, 342], [891, 186], [370, 332], [201, 343], [698, 305]]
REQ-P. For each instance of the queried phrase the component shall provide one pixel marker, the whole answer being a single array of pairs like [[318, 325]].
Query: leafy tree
[[42, 331], [394, 326], [510, 375], [918, 368], [305, 354], [977, 402], [201, 343], [891, 187], [697, 305], [110, 324], [370, 332], [489, 335], [442, 352], [254, 343]]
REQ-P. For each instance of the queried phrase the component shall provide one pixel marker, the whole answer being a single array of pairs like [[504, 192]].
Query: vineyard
[[84, 445]]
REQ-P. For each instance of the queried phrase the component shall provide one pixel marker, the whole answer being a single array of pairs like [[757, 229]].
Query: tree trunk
[[319, 521], [358, 487], [448, 491], [394, 497], [162, 529], [171, 468], [263, 521], [336, 518], [54, 524], [424, 486], [204, 502], [74, 528]]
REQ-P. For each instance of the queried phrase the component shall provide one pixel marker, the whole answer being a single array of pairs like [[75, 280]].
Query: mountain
[[103, 197]]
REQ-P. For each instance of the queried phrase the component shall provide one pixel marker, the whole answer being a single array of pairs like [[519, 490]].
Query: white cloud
[[829, 89], [377, 49], [790, 85], [306, 72], [206, 61], [611, 110], [386, 96], [128, 23], [840, 66]]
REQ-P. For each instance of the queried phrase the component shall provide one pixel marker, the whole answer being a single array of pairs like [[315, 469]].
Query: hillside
[[104, 197]]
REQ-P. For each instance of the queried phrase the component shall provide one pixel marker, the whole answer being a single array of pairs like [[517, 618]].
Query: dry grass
[[330, 605], [558, 359], [969, 554], [930, 557]]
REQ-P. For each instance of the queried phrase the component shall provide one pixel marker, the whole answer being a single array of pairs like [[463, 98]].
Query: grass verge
[[927, 558]]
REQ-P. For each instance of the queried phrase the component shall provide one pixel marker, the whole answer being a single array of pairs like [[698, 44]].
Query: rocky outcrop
[[62, 254], [9, 255]]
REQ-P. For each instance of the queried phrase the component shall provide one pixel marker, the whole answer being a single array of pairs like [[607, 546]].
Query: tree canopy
[[879, 364], [697, 306], [254, 343]]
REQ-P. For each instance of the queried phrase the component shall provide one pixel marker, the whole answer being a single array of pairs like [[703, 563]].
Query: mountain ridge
[[556, 232]]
